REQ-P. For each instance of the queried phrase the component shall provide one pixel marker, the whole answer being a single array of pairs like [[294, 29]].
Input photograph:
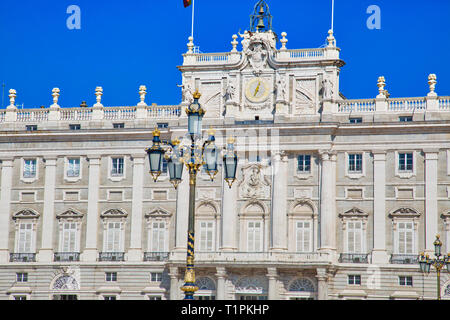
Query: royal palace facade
[[334, 199]]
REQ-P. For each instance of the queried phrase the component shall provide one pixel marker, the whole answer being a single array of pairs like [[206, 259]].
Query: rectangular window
[[254, 236], [405, 238], [31, 128], [355, 163], [158, 236], [163, 125], [110, 297], [20, 297], [406, 281], [354, 236], [304, 163], [303, 233], [117, 167], [354, 279], [156, 277], [154, 298], [29, 168], [69, 236], [74, 127], [22, 277], [73, 167], [355, 120], [405, 162], [405, 119], [206, 236], [113, 237], [25, 238], [111, 276], [118, 125]]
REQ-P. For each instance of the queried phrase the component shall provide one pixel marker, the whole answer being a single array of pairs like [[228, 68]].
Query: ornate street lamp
[[439, 263], [194, 156]]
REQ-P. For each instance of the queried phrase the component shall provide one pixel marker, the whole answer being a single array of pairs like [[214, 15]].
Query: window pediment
[[158, 213], [353, 213], [70, 214], [114, 213], [404, 213], [26, 214]]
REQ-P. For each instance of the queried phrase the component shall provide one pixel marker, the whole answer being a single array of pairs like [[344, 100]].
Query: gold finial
[[438, 236], [231, 140], [211, 131], [176, 141], [197, 94], [156, 132]]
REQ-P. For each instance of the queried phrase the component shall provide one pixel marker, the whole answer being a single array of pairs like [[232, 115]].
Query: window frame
[[353, 278], [23, 166], [406, 282], [116, 177], [405, 174], [355, 174], [111, 276], [67, 177]]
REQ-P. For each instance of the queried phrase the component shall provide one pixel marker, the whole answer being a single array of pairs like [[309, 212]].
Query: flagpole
[[332, 15], [193, 10]]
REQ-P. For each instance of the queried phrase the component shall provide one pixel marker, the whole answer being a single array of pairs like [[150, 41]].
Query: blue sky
[[123, 44]]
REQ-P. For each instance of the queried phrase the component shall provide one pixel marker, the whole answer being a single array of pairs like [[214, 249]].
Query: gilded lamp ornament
[[193, 154]]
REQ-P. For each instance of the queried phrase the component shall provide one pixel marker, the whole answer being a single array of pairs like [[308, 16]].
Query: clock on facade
[[257, 90]]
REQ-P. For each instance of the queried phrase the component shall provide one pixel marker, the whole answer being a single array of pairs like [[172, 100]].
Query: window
[[117, 167], [73, 167], [254, 236], [163, 125], [21, 277], [406, 281], [304, 163], [303, 233], [253, 298], [354, 236], [158, 236], [109, 297], [405, 237], [69, 237], [20, 297], [74, 127], [113, 237], [405, 162], [156, 277], [154, 298], [29, 168], [31, 128], [206, 236], [25, 238], [405, 119], [354, 279], [111, 276], [355, 163], [355, 120], [118, 125]]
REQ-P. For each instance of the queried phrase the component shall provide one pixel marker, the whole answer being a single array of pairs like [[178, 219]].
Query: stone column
[[322, 284], [379, 254], [328, 203], [5, 204], [135, 251], [182, 213], [431, 204], [272, 274], [91, 251], [174, 287], [229, 216], [279, 203], [221, 273], [48, 217]]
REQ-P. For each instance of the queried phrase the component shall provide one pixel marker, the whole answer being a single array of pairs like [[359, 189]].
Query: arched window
[[301, 285], [206, 226], [302, 227], [206, 289]]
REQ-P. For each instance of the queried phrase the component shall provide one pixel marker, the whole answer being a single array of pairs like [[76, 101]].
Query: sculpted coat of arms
[[255, 184], [257, 56]]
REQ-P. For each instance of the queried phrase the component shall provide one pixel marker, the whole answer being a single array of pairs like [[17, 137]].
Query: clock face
[[257, 90]]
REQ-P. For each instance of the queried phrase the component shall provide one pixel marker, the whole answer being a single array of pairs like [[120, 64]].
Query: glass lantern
[[155, 155]]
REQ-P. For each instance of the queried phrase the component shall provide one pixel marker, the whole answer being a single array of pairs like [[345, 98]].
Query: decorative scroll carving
[[255, 184]]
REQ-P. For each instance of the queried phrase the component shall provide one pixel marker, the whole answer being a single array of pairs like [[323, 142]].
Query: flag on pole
[[187, 3]]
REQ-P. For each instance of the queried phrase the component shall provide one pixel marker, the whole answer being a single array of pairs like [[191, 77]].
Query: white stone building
[[335, 198]]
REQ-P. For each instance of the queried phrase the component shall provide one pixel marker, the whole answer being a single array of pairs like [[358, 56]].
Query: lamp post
[[194, 156], [439, 263]]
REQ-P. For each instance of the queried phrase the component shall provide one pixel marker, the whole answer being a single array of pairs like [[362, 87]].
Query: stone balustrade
[[255, 257]]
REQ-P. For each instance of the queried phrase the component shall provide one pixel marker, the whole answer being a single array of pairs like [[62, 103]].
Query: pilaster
[[279, 203], [229, 214], [91, 251], [272, 275], [431, 204], [48, 217], [135, 251], [174, 289], [181, 219], [5, 204], [322, 284], [221, 274]]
